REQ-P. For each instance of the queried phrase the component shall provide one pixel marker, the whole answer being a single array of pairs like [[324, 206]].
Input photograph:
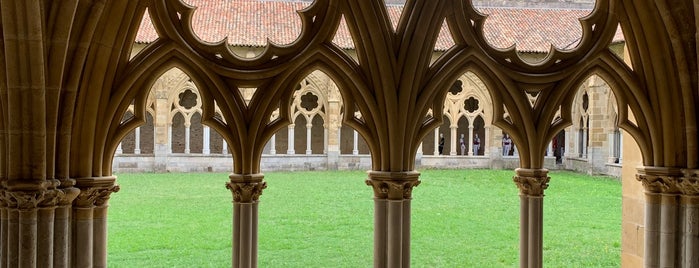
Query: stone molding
[[246, 188], [532, 182], [393, 185]]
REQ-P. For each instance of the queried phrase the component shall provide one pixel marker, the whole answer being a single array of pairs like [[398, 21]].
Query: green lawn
[[460, 218]]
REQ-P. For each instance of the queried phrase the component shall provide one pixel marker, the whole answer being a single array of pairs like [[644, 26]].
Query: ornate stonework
[[669, 181], [95, 196], [393, 185], [532, 182], [246, 188]]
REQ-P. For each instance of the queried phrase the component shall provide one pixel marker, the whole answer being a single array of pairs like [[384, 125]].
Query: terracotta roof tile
[[252, 22]]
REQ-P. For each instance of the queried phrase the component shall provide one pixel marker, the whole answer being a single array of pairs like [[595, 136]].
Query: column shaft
[[309, 128], [137, 141], [469, 145], [273, 145], [61, 237], [436, 141], [207, 140], [290, 141], [690, 231], [99, 236], [27, 237], [83, 238], [45, 243], [355, 143], [668, 230], [3, 236], [186, 139], [392, 195], [246, 190], [531, 183], [380, 232]]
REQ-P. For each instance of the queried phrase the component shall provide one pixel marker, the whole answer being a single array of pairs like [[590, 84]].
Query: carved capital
[[393, 185], [95, 191], [531, 182], [246, 188], [95, 196], [690, 182], [25, 200], [660, 180]]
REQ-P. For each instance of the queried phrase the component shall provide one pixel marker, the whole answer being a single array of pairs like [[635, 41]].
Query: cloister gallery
[[93, 87]]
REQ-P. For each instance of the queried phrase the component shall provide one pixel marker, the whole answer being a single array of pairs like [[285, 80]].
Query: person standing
[[476, 144], [441, 143], [463, 145], [506, 145]]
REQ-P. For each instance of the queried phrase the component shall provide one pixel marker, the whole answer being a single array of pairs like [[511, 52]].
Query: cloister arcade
[[75, 84]]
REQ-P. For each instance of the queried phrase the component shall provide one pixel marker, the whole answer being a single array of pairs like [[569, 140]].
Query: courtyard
[[460, 218]]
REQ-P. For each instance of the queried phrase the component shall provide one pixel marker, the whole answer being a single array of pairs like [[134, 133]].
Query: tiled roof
[[252, 22]]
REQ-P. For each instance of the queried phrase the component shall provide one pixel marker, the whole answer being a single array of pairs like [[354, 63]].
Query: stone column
[[549, 151], [485, 141], [355, 145], [671, 216], [469, 145], [273, 145], [224, 147], [119, 150], [689, 228], [207, 140], [186, 138], [452, 141], [392, 195], [309, 128], [246, 190], [584, 142], [611, 158], [90, 221], [62, 224], [137, 141], [31, 227], [169, 138], [531, 184], [290, 148], [436, 141]]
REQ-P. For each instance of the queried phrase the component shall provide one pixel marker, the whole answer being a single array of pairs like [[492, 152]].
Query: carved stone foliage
[[533, 186], [686, 183], [246, 192], [532, 182], [393, 185], [24, 200], [95, 196]]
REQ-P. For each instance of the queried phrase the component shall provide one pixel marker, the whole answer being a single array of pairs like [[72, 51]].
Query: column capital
[[660, 180], [393, 185], [690, 182], [46, 194], [531, 182], [95, 191], [246, 188]]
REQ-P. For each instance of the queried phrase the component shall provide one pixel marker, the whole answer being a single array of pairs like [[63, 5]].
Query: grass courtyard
[[460, 218]]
